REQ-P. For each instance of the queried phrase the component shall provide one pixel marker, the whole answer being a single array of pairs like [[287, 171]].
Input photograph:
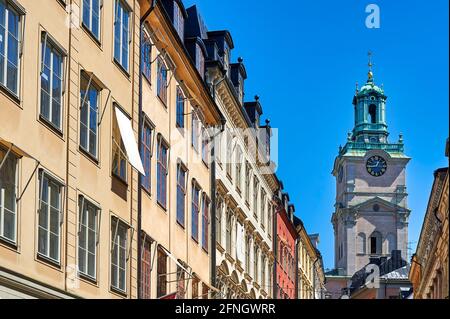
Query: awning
[[128, 139], [14, 148]]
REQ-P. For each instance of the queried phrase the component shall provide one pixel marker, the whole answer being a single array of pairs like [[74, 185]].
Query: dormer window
[[199, 60], [226, 60], [178, 20]]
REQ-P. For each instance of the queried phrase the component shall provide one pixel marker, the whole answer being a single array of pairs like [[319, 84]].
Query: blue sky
[[303, 58]]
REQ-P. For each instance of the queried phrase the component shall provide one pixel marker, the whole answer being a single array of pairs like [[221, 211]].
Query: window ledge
[[122, 69], [88, 279], [161, 206], [219, 247], [48, 124], [90, 157], [8, 243], [92, 36], [119, 292], [48, 261], [120, 179], [12, 96]]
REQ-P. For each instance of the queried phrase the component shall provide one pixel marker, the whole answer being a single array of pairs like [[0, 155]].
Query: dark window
[[121, 34], [146, 155], [178, 20], [161, 289], [181, 193], [119, 167], [373, 245], [205, 222], [146, 51], [88, 238], [119, 243], [195, 211], [204, 291], [162, 174], [8, 188], [10, 26], [51, 83], [89, 97], [228, 232], [195, 282], [146, 270], [372, 113], [205, 146], [162, 81], [50, 217], [181, 287], [180, 108], [91, 16]]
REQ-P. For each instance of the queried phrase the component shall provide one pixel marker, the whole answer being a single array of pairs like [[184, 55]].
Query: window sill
[[161, 206], [62, 3], [205, 164], [92, 36], [121, 68], [11, 95], [164, 103], [147, 79], [219, 247], [48, 261], [88, 279], [89, 156], [52, 127], [119, 292], [181, 225], [229, 258], [8, 244], [120, 179], [147, 191], [195, 240], [205, 250]]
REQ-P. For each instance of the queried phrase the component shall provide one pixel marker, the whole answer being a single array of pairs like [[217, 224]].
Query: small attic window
[[199, 60], [178, 20]]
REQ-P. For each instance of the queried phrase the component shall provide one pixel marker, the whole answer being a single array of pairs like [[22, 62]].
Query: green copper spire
[[370, 129]]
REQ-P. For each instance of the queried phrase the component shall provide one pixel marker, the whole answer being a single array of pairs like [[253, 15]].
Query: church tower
[[371, 212]]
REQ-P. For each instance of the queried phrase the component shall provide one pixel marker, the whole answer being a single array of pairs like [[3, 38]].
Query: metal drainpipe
[[140, 121], [213, 192]]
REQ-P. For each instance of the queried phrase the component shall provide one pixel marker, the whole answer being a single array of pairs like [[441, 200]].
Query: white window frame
[[85, 100], [2, 199], [120, 7], [8, 8], [54, 49], [115, 239], [91, 17], [43, 174], [83, 202]]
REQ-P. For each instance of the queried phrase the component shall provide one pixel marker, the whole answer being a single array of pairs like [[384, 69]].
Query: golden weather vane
[[370, 64]]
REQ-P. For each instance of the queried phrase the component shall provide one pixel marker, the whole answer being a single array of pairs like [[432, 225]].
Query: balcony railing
[[371, 126], [398, 148]]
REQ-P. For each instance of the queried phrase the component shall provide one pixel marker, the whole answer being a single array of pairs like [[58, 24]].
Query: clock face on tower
[[376, 166]]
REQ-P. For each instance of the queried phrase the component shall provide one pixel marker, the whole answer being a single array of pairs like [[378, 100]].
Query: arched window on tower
[[375, 243], [372, 113], [361, 244]]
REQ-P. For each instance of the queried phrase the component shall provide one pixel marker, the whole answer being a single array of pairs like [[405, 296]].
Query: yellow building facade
[[429, 265], [178, 113], [69, 99]]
